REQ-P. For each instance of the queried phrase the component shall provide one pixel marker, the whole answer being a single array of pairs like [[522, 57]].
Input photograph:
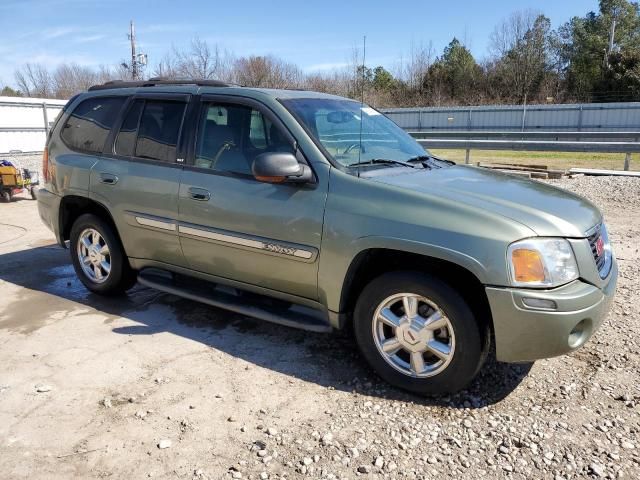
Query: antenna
[[364, 54]]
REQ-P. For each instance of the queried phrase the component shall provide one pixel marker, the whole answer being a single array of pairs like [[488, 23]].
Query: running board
[[252, 305]]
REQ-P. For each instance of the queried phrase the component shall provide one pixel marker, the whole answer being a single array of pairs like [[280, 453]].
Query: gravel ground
[[569, 417], [206, 394]]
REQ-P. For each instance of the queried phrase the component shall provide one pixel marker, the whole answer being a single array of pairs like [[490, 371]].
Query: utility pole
[[138, 60], [134, 60]]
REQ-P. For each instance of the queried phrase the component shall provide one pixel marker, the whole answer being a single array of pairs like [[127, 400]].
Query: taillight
[[45, 164]]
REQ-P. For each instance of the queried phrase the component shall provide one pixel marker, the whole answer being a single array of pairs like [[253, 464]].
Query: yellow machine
[[14, 180]]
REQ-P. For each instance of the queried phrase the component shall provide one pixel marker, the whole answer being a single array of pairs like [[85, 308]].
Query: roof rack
[[152, 82]]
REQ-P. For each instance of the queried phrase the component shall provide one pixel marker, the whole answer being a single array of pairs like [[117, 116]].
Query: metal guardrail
[[529, 135], [549, 117], [531, 141], [23, 129]]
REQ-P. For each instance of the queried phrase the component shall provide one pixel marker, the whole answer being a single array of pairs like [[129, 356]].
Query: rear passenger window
[[151, 130], [126, 140], [159, 130], [89, 124]]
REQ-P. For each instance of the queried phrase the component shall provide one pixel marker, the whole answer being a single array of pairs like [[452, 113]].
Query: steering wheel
[[352, 146]]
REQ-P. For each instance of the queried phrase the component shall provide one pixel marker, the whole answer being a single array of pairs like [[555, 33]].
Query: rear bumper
[[524, 334], [49, 210]]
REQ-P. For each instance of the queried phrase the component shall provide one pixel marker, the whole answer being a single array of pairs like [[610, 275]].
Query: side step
[[252, 305]]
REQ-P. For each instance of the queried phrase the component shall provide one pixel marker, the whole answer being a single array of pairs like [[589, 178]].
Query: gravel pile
[[570, 417], [606, 192]]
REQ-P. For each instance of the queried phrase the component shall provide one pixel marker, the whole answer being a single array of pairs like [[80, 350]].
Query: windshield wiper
[[429, 161], [381, 161], [419, 158]]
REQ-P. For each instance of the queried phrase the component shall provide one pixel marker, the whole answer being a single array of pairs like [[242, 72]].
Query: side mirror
[[280, 167]]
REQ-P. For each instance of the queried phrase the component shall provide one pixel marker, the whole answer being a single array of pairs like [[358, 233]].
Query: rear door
[[236, 227], [138, 178]]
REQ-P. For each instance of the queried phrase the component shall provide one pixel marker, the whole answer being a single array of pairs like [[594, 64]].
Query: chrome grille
[[593, 239]]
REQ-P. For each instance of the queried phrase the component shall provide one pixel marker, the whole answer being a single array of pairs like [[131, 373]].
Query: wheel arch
[[72, 206], [373, 262]]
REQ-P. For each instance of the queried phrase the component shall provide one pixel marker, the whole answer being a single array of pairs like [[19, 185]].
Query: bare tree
[[168, 68], [266, 71], [337, 81], [414, 70], [198, 61], [520, 45], [34, 80], [70, 78]]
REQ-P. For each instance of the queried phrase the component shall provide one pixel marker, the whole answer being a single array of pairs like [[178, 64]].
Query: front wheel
[[98, 257], [418, 333]]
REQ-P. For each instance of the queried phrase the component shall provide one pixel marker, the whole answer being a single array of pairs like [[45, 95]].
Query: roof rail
[[152, 82]]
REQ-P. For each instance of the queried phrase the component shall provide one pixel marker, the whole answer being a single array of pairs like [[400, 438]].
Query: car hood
[[545, 209]]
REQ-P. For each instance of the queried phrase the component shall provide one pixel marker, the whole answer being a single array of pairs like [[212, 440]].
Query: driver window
[[231, 136]]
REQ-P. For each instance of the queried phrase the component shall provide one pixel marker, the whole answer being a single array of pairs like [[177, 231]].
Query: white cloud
[[90, 38], [319, 67], [57, 32]]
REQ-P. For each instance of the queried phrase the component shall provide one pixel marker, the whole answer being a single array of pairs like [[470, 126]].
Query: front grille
[[593, 240]]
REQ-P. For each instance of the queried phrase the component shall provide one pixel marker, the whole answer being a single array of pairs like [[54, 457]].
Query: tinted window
[[88, 126], [150, 130], [232, 135], [158, 130], [126, 140]]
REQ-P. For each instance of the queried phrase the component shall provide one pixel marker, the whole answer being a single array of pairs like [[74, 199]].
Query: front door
[[138, 179], [235, 227]]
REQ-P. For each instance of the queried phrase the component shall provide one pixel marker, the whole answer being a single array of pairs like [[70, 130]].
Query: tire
[[32, 191], [113, 281], [437, 305]]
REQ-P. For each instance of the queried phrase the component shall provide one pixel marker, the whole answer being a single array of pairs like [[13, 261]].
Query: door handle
[[199, 194], [108, 178]]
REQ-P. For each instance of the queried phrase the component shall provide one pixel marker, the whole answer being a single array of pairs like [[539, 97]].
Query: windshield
[[335, 123]]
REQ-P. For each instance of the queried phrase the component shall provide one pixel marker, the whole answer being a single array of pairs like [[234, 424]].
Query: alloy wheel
[[413, 335], [94, 255]]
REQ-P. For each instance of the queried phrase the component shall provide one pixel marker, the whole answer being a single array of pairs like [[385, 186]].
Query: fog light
[[541, 303], [579, 334]]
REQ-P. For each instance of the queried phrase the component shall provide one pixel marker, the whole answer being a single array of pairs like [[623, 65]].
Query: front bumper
[[524, 334]]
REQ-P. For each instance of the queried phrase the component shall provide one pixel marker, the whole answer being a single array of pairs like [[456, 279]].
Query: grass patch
[[554, 160]]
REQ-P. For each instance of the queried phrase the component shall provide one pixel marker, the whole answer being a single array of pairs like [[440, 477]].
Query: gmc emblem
[[600, 246]]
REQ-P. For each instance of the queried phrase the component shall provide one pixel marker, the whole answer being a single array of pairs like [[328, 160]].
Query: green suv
[[315, 211]]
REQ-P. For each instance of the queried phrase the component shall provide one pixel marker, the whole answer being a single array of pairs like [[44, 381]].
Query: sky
[[316, 35]]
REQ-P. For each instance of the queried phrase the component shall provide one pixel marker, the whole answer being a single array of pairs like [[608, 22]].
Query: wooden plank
[[596, 171]]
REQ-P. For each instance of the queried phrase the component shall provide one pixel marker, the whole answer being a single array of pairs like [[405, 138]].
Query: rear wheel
[[32, 191], [6, 196], [418, 333], [98, 257]]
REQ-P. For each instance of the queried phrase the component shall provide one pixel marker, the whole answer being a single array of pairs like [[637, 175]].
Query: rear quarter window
[[89, 124]]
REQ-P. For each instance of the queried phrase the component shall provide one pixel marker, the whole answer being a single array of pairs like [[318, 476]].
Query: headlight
[[541, 262]]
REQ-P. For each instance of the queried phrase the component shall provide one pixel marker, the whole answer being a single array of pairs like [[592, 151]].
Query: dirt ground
[[92, 387]]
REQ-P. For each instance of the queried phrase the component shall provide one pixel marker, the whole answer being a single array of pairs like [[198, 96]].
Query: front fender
[[425, 249], [335, 264], [363, 214]]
